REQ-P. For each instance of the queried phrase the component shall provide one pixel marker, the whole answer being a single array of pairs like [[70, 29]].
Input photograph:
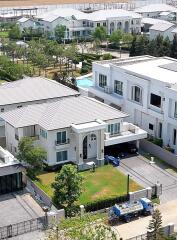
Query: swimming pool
[[84, 82]]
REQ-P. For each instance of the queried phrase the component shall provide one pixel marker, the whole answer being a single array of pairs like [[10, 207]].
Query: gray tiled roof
[[62, 113], [32, 89]]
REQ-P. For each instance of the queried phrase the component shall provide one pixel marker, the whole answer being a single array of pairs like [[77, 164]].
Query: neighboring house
[[11, 173], [80, 25], [28, 91], [162, 29], [146, 88], [159, 11], [73, 129]]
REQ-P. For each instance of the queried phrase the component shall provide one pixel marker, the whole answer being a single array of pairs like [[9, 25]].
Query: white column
[[100, 147], [79, 149]]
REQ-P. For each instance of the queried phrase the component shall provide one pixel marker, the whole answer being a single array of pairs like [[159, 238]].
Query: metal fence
[[22, 227]]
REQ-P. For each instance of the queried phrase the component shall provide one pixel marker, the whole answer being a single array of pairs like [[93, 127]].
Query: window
[[62, 156], [160, 130], [19, 106], [155, 100], [174, 136], [98, 24], [175, 112], [61, 137], [151, 126], [104, 24], [118, 87], [2, 109], [43, 133], [114, 129], [102, 80], [136, 94], [93, 137]]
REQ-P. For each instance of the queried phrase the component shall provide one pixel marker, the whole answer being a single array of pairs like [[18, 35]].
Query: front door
[[85, 148]]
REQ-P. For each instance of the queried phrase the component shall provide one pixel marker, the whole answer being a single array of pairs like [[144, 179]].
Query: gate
[[22, 227], [156, 190]]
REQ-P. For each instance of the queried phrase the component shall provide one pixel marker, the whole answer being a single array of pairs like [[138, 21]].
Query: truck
[[129, 210]]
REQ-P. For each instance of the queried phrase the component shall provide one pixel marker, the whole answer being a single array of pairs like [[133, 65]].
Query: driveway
[[138, 227], [147, 175]]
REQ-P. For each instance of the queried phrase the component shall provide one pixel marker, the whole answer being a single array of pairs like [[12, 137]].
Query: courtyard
[[105, 182], [18, 207]]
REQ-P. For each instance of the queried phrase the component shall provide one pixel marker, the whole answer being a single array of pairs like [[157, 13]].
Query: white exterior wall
[[140, 114], [168, 33]]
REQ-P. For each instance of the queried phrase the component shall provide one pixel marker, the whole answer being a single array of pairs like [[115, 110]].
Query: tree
[[116, 37], [99, 34], [15, 33], [67, 187], [155, 226], [32, 155], [132, 47], [60, 32], [174, 47]]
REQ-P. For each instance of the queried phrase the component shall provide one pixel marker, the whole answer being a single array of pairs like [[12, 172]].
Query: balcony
[[59, 143], [128, 133]]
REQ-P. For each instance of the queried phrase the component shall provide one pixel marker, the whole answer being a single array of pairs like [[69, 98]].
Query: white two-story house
[[72, 129], [146, 88]]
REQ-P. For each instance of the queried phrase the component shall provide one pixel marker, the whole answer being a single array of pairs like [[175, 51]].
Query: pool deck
[[84, 76]]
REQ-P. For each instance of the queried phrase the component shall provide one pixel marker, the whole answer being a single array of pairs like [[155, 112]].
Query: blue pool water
[[85, 82]]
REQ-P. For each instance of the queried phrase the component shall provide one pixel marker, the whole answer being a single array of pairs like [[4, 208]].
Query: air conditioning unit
[[107, 89]]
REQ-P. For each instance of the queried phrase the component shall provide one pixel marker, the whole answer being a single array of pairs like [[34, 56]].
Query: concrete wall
[[159, 152], [147, 193]]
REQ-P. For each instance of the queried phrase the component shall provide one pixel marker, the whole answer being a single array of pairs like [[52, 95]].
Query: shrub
[[104, 203], [107, 56]]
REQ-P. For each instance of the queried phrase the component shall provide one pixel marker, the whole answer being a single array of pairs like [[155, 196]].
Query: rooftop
[[73, 14], [152, 21], [162, 26], [156, 8], [62, 113], [160, 68], [32, 89]]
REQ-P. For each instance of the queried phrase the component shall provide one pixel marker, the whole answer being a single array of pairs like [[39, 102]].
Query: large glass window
[[61, 137], [102, 80], [114, 128], [118, 87], [155, 100], [62, 156], [175, 112], [174, 136], [137, 94]]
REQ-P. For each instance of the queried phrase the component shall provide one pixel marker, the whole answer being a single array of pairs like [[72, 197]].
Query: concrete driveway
[[147, 175], [139, 227]]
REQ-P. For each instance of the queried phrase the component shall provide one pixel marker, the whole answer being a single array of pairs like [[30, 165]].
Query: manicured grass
[[2, 81], [105, 182]]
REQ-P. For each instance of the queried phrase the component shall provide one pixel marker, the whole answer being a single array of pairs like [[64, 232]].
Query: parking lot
[[18, 207], [140, 169]]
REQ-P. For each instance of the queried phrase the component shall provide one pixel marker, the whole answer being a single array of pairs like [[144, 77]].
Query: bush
[[158, 141], [107, 56], [104, 203]]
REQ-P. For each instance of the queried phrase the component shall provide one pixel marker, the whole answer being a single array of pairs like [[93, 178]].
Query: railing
[[23, 227], [57, 143]]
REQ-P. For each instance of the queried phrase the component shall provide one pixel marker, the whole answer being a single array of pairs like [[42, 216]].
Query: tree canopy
[[67, 187], [32, 155]]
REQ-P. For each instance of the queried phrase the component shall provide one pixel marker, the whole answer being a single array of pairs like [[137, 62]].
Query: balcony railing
[[57, 143]]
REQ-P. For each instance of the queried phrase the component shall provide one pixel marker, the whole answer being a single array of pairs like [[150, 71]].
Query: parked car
[[112, 160], [121, 150]]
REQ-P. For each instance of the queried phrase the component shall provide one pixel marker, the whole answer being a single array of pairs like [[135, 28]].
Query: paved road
[[138, 227], [147, 175]]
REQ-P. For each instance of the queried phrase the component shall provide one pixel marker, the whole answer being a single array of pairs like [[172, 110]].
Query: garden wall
[[38, 193], [159, 152], [144, 193]]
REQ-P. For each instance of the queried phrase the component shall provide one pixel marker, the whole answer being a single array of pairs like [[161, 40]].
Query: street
[[138, 227]]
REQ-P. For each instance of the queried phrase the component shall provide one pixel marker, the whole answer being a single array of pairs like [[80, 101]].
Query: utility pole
[[128, 183]]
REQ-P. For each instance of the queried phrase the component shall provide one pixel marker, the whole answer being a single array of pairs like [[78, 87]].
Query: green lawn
[[2, 81], [106, 182]]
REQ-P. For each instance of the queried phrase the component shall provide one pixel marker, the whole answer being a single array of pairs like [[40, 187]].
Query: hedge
[[104, 203]]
